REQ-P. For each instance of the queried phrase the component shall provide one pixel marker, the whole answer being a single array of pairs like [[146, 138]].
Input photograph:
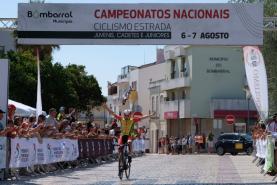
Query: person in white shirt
[[272, 126]]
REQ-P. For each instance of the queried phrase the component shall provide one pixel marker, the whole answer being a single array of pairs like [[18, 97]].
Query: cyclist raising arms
[[127, 121]]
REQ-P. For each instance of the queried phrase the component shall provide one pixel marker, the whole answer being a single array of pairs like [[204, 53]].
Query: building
[[136, 78], [192, 92], [203, 85]]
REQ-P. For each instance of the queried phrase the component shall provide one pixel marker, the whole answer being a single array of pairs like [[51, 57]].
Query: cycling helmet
[[127, 112]]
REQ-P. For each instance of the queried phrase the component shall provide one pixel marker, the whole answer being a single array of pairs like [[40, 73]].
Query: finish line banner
[[119, 24]]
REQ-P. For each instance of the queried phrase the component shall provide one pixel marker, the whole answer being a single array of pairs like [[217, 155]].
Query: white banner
[[4, 81], [27, 152], [3, 141], [256, 78], [39, 102], [193, 24]]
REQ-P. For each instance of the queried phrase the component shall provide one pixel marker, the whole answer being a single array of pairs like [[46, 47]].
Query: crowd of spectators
[[61, 125], [186, 144]]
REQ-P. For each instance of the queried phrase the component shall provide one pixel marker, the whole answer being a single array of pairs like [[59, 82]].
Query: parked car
[[234, 143]]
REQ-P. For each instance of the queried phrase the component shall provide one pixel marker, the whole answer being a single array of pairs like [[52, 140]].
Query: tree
[[269, 50], [61, 86]]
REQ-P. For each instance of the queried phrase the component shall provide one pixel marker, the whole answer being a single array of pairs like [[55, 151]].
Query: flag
[[256, 78], [39, 103]]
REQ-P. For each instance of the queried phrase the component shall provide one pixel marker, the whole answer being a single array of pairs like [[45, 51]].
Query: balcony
[[171, 108], [123, 78], [175, 83], [169, 55], [179, 51]]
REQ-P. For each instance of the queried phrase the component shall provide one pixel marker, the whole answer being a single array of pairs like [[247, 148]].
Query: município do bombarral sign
[[117, 24]]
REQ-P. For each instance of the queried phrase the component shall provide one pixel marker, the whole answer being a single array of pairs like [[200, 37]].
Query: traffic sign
[[230, 119]]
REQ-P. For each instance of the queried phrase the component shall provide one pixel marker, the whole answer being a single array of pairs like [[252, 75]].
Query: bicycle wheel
[[120, 165], [127, 165], [128, 170]]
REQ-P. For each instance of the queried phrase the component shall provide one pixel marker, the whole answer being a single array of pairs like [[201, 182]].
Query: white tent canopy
[[23, 110]]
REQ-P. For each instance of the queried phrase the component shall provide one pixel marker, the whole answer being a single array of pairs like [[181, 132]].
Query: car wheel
[[220, 150], [249, 150], [234, 153]]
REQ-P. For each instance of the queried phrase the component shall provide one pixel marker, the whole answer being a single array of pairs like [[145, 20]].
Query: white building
[[192, 92], [136, 78]]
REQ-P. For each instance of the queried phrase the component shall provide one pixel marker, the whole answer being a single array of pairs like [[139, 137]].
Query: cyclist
[[127, 121]]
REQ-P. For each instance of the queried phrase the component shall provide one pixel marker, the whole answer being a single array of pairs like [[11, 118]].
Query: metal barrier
[[31, 156]]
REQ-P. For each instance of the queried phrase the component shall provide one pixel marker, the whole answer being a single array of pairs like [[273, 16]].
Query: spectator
[[190, 143], [1, 117], [167, 144], [210, 142], [32, 120], [61, 114], [51, 120], [23, 130], [184, 145], [198, 142], [10, 130], [18, 121], [162, 145], [41, 119], [71, 115], [179, 145], [11, 112], [272, 126]]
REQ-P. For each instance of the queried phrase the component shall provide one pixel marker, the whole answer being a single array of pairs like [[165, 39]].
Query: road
[[162, 169]]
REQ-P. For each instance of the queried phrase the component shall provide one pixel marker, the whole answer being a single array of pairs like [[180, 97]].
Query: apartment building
[[203, 85], [136, 78]]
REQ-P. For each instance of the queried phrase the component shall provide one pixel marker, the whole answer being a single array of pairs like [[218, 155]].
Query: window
[[231, 137], [172, 75], [153, 103], [157, 104], [2, 50], [183, 94], [173, 96], [183, 67], [161, 98], [217, 124], [134, 85]]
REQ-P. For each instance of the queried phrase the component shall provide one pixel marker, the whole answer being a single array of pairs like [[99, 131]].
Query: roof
[[147, 65]]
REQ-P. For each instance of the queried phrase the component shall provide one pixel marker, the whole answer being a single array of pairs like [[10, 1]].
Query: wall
[[154, 73], [206, 85]]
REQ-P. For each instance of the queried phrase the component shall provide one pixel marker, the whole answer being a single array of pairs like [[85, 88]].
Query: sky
[[105, 61]]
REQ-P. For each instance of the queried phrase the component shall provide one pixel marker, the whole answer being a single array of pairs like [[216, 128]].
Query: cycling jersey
[[127, 125]]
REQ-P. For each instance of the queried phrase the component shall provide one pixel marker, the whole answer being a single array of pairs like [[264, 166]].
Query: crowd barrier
[[29, 152], [45, 155], [23, 152], [93, 148]]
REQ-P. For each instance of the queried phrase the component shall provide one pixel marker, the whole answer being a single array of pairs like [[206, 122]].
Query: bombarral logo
[[49, 14], [253, 58]]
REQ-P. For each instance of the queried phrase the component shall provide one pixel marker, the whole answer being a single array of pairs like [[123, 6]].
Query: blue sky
[[104, 62]]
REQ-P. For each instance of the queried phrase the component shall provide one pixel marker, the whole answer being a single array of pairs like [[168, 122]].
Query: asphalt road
[[162, 169]]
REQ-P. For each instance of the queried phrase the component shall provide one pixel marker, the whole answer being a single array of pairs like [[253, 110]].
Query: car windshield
[[247, 137]]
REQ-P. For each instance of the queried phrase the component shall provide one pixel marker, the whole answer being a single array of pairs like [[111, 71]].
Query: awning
[[23, 110], [236, 113]]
